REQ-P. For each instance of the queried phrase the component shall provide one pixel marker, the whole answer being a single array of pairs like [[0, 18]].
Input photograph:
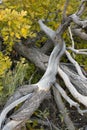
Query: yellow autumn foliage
[[20, 18], [14, 25]]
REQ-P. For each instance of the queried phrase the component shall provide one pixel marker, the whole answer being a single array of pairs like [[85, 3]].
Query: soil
[[80, 122]]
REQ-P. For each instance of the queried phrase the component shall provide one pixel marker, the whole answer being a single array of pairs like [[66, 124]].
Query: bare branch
[[79, 33], [82, 99], [64, 95], [75, 64], [49, 78], [69, 28], [53, 63], [76, 19], [81, 8], [43, 87], [80, 51], [11, 125], [79, 82], [0, 1], [65, 9], [49, 32], [63, 110], [11, 106], [69, 100], [33, 54], [20, 92]]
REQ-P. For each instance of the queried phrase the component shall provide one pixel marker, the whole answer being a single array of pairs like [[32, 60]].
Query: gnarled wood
[[32, 95]]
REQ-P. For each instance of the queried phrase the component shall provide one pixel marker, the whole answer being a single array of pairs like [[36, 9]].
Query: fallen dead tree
[[72, 75]]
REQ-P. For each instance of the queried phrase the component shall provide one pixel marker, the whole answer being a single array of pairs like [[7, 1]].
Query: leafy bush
[[10, 80], [13, 25]]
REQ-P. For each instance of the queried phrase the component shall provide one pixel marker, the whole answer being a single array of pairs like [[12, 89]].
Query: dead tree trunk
[[76, 82]]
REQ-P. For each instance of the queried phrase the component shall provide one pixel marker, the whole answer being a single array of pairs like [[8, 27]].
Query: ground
[[56, 118]]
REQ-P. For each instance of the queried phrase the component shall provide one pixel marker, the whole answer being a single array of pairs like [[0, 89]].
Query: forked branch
[[32, 95]]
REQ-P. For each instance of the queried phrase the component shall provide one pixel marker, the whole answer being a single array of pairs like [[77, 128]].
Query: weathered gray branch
[[49, 32], [33, 54], [64, 10], [63, 110], [78, 51], [69, 100], [0, 1], [79, 83], [43, 87], [81, 8], [81, 98], [78, 21], [80, 33], [75, 63], [11, 106]]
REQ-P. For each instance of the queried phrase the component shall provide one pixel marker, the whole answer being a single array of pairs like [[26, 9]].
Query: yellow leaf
[[23, 13], [24, 32], [5, 38], [9, 23], [17, 35]]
